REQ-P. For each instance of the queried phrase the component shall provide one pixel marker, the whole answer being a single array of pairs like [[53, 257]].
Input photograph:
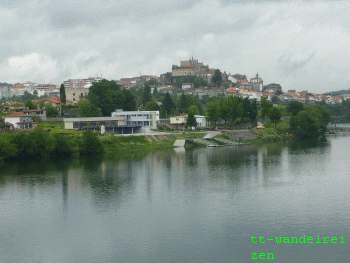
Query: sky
[[299, 44]]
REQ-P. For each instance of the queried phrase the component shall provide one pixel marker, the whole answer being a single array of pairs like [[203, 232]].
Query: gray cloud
[[291, 42]]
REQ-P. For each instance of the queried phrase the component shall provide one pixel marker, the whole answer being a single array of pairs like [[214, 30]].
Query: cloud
[[290, 42], [291, 63], [32, 65]]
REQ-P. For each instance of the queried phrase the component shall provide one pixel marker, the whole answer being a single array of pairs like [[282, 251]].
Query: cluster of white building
[[75, 89], [19, 89]]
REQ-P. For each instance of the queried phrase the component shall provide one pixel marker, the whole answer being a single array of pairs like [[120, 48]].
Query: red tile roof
[[16, 114]]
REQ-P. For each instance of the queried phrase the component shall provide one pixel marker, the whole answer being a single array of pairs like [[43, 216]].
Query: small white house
[[186, 86], [19, 120], [201, 121], [178, 120]]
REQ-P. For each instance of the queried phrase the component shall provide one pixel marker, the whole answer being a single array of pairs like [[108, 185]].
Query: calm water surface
[[199, 206]]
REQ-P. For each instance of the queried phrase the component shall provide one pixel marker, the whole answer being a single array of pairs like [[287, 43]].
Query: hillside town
[[190, 78]]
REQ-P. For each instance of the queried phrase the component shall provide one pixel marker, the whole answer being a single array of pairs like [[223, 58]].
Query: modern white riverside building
[[115, 124], [146, 119], [124, 122]]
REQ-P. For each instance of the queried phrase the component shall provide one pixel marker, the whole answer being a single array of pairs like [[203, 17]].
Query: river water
[[195, 206]]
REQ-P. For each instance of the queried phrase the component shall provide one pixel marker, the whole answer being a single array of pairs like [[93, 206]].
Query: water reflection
[[187, 206], [111, 181]]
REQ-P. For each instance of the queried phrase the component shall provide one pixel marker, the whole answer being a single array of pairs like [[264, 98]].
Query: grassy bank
[[134, 146]]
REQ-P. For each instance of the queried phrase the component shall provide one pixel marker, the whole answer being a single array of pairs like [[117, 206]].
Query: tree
[[275, 115], [266, 106], [107, 96], [294, 107], [193, 109], [191, 121], [86, 109], [63, 94], [252, 111], [155, 92], [29, 105], [168, 105], [51, 111], [213, 111], [182, 104], [235, 107], [152, 106], [129, 103], [304, 126], [310, 123], [146, 94], [217, 78]]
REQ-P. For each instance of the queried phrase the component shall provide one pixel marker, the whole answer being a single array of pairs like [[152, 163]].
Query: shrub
[[90, 145], [7, 149], [63, 146]]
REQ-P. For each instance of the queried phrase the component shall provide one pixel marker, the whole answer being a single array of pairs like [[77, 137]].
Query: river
[[182, 207]]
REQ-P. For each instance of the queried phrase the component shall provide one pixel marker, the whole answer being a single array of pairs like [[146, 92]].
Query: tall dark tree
[[146, 94], [266, 107], [168, 105], [63, 94], [129, 101], [182, 104], [213, 112], [275, 115], [191, 120], [217, 78]]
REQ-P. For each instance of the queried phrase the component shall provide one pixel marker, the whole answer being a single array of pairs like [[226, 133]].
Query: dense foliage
[[310, 124], [108, 96], [41, 144], [217, 78], [231, 110], [87, 109]]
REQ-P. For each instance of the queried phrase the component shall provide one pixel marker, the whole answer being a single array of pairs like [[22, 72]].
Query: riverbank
[[51, 142]]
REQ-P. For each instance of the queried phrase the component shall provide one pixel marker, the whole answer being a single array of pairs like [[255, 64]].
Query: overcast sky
[[300, 44]]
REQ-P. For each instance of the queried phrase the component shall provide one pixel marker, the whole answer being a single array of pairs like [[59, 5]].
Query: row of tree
[[231, 110]]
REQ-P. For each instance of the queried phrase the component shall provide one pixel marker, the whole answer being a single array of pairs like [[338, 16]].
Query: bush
[[63, 146], [7, 149], [37, 144], [309, 124], [90, 145]]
